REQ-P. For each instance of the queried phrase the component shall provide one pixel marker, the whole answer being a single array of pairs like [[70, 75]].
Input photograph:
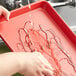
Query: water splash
[[29, 4]]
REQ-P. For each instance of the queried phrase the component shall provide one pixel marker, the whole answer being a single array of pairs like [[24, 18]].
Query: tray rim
[[65, 28]]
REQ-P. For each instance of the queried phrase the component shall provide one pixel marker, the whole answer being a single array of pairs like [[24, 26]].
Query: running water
[[30, 16], [29, 4]]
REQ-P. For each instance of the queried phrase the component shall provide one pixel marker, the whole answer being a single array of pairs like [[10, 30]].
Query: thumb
[[5, 12]]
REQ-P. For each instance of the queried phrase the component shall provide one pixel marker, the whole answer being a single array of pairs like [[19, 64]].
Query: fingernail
[[8, 19], [8, 16]]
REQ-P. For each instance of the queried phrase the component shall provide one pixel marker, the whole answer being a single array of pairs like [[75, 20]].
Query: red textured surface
[[43, 15]]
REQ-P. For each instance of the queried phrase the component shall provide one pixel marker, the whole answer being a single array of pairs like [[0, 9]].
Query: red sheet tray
[[41, 29]]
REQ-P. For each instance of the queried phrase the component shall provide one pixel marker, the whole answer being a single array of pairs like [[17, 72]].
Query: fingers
[[36, 67], [45, 64], [43, 60], [4, 12], [47, 72], [43, 73], [40, 74]]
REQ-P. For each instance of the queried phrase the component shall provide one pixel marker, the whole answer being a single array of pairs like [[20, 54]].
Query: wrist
[[11, 64], [22, 59]]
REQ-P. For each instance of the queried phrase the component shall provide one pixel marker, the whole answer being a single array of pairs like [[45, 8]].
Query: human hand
[[34, 64], [4, 12]]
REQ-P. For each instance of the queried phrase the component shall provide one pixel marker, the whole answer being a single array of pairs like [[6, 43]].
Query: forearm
[[8, 64], [24, 63]]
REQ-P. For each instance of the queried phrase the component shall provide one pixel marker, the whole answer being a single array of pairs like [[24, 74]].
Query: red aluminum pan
[[41, 29]]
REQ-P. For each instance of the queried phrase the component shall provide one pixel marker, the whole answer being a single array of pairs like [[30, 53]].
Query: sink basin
[[68, 14]]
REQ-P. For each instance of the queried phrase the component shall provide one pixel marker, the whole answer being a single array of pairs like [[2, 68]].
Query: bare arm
[[28, 64], [8, 64]]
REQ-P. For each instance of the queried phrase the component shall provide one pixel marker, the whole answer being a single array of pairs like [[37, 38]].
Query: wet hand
[[4, 12]]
